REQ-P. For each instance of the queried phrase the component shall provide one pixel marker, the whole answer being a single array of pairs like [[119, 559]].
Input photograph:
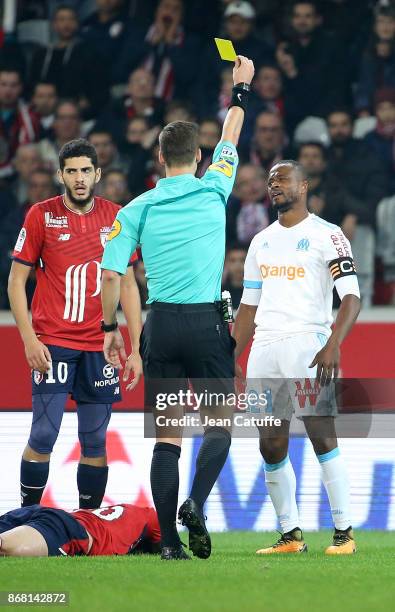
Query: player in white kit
[[289, 274]]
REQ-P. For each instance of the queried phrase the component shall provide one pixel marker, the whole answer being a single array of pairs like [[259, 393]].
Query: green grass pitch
[[233, 579]]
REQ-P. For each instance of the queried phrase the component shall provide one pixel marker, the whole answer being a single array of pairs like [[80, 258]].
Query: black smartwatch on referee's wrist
[[108, 328]]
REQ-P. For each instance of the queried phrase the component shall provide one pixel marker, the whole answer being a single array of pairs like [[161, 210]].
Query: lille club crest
[[38, 377], [104, 231]]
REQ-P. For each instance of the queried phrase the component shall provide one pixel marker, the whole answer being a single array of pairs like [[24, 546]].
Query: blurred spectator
[[27, 160], [106, 29], [40, 187], [115, 187], [66, 126], [225, 93], [71, 65], [154, 169], [44, 101], [209, 136], [138, 102], [269, 142], [267, 95], [138, 149], [166, 50], [313, 64], [248, 212], [326, 197], [178, 110], [378, 62], [234, 272], [18, 124], [382, 139], [355, 166], [139, 273], [239, 27], [108, 156]]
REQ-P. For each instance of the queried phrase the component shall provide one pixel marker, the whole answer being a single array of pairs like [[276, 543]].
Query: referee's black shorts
[[187, 341]]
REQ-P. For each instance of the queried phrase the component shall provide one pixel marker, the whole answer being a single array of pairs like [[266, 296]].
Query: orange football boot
[[290, 542], [343, 543]]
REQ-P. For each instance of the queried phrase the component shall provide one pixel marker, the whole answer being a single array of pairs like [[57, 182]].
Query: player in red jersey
[[38, 531], [63, 240]]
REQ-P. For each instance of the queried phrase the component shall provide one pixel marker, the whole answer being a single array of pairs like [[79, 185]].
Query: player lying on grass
[[38, 531]]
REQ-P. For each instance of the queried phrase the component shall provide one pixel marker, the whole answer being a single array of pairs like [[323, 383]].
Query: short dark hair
[[99, 130], [295, 165], [344, 110], [313, 143], [77, 148], [64, 7], [179, 142]]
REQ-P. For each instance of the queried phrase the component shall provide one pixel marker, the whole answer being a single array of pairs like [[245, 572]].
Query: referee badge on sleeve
[[224, 166], [115, 230]]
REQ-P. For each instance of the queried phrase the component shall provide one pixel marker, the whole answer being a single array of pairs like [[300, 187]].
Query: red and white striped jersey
[[66, 249]]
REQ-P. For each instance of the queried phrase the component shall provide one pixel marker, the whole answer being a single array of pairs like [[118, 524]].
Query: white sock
[[334, 477], [281, 484]]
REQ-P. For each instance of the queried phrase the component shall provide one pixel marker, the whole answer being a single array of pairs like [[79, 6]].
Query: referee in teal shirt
[[180, 227]]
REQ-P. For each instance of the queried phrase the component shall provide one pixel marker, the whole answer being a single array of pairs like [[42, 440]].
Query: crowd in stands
[[116, 71]]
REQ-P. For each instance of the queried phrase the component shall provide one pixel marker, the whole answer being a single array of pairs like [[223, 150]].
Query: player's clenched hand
[[135, 365], [327, 362], [114, 348], [243, 71], [37, 355]]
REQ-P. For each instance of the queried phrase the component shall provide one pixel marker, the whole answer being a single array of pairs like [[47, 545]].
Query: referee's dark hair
[[179, 142], [77, 148]]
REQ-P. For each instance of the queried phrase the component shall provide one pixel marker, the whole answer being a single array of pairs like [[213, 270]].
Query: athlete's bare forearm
[[346, 317], [131, 307], [110, 295], [232, 125], [243, 328], [18, 301]]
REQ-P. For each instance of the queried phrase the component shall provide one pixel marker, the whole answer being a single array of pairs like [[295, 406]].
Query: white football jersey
[[289, 274]]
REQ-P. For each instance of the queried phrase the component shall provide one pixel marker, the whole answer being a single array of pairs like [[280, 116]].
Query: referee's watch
[[108, 328]]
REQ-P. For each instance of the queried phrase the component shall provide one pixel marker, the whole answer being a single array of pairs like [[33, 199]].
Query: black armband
[[343, 266], [240, 94]]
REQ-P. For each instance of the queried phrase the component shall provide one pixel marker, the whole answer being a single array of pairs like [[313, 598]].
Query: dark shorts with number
[[84, 374], [182, 342], [63, 534]]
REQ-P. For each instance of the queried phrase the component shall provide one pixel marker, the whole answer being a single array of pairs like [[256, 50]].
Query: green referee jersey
[[180, 227]]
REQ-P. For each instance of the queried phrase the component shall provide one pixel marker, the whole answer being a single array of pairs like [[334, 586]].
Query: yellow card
[[226, 49]]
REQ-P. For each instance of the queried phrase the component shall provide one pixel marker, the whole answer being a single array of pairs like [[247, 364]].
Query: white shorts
[[280, 373]]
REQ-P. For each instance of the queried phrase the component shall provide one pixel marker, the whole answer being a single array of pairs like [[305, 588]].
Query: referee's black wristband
[[240, 94]]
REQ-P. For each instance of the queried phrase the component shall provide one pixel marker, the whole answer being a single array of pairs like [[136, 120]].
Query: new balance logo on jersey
[[51, 221], [288, 272], [75, 294], [265, 245], [64, 237], [303, 245]]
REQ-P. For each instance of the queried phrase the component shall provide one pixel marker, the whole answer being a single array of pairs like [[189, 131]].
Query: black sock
[[164, 486], [91, 482], [34, 476], [209, 463]]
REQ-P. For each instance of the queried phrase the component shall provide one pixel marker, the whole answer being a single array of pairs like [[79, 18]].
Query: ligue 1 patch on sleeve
[[343, 266], [20, 240], [223, 166], [115, 230]]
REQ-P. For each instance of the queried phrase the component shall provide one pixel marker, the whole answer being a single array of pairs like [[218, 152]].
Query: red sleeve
[[29, 243], [153, 531]]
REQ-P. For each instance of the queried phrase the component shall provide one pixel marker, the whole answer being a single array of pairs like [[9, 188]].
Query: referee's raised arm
[[243, 73]]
